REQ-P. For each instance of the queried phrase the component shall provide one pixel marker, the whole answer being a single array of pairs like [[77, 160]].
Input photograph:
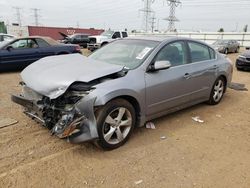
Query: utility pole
[[147, 13], [153, 23], [36, 15], [172, 18], [18, 15]]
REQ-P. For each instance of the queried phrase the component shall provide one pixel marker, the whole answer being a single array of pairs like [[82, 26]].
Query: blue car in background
[[19, 53]]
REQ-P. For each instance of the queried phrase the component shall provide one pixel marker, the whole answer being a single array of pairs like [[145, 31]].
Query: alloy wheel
[[218, 90], [117, 125]]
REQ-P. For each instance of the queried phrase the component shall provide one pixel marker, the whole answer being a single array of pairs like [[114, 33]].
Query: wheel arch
[[224, 77], [104, 43], [132, 100]]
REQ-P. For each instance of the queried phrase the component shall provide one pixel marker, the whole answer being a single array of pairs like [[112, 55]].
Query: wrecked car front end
[[70, 115]]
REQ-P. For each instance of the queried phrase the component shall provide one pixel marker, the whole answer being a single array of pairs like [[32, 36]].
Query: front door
[[167, 89]]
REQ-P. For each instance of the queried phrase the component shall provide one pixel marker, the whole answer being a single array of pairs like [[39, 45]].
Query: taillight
[[78, 48]]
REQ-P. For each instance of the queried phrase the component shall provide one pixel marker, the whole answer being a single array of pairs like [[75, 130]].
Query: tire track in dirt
[[46, 158]]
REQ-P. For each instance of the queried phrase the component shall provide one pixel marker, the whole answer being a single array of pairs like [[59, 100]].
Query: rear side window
[[124, 34], [212, 53], [41, 43], [198, 52]]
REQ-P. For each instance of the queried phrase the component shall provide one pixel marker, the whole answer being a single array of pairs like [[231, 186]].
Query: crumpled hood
[[51, 76]]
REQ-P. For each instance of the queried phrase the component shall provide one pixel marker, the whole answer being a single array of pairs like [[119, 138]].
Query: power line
[[18, 15], [172, 18], [147, 13], [36, 15], [153, 22]]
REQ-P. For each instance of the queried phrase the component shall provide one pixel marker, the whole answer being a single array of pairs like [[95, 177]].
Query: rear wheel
[[218, 91], [226, 51], [115, 123], [237, 50]]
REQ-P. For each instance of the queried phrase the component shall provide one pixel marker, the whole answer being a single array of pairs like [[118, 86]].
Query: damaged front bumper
[[77, 124]]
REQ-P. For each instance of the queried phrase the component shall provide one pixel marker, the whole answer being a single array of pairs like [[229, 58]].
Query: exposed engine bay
[[64, 115]]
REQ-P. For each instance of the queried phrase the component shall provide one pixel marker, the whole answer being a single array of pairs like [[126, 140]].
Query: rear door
[[45, 48], [202, 69]]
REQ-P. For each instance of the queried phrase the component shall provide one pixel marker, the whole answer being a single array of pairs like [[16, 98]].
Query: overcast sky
[[205, 15]]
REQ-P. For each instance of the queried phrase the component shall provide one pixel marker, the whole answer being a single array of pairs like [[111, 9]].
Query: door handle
[[187, 76], [213, 68]]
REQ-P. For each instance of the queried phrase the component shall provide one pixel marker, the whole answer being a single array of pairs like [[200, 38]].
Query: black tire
[[237, 50], [111, 109], [226, 51], [213, 100], [239, 69]]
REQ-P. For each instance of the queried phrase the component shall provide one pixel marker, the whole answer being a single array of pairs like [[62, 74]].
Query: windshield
[[128, 53], [221, 42], [107, 33]]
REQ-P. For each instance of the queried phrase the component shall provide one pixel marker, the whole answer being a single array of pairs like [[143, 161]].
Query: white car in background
[[97, 41], [6, 37]]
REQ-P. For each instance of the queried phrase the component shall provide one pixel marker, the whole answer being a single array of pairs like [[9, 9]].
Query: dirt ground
[[211, 154]]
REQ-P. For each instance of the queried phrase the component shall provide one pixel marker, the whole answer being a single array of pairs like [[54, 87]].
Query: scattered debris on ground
[[5, 122], [138, 182], [163, 137], [218, 116], [150, 125], [238, 86], [197, 119]]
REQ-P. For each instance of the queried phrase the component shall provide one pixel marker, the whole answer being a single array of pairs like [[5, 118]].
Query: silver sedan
[[103, 97]]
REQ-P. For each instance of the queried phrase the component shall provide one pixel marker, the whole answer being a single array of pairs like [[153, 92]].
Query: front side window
[[198, 52], [116, 35], [24, 43], [175, 53]]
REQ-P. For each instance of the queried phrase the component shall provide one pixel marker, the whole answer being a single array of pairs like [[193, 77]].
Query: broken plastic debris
[[150, 125], [163, 137], [138, 182], [197, 119], [5, 122]]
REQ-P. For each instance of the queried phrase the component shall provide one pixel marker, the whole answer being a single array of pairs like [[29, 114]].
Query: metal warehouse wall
[[53, 32], [19, 31], [208, 37]]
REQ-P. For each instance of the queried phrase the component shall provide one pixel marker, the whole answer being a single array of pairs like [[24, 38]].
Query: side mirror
[[160, 65], [9, 48]]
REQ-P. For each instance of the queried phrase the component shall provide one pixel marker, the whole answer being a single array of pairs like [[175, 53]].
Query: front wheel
[[115, 123], [226, 51], [218, 91]]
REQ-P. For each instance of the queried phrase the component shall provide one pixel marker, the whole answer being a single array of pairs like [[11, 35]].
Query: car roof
[[163, 38], [34, 37]]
